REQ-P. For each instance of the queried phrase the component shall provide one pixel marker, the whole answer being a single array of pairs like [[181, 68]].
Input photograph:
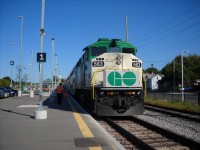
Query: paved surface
[[19, 130]]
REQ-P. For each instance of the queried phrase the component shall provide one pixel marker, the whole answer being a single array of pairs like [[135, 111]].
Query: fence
[[189, 97]]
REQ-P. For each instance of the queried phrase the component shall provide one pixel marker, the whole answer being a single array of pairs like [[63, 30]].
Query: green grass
[[175, 104]]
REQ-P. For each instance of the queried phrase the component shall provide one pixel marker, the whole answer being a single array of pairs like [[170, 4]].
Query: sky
[[160, 29]]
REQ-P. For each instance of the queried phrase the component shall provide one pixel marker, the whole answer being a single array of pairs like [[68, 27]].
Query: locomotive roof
[[111, 43]]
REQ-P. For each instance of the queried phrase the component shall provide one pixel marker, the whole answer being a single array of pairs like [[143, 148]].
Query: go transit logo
[[121, 79]]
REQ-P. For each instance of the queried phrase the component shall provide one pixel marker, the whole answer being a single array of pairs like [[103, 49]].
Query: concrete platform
[[67, 127]]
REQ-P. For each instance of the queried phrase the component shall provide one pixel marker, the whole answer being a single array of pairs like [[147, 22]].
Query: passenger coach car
[[108, 78]]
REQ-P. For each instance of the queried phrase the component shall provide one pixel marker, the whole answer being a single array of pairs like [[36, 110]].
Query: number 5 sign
[[41, 57]]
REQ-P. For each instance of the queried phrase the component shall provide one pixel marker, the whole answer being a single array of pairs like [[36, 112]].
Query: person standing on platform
[[59, 91]]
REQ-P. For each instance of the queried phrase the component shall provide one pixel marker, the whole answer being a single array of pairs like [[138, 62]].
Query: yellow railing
[[94, 80]]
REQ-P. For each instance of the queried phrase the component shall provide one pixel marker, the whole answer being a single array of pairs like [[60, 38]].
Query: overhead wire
[[181, 30], [174, 45], [158, 34], [161, 27], [172, 34], [168, 22]]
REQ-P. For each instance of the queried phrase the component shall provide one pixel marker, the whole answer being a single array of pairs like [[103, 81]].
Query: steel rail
[[169, 134], [174, 113], [130, 136]]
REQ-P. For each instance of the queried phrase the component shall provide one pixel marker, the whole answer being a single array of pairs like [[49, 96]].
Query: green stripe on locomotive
[[104, 45]]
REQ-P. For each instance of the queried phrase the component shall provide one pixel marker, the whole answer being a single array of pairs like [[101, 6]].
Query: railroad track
[[134, 133], [189, 116], [127, 144]]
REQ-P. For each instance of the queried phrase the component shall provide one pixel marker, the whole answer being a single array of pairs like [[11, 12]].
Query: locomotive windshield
[[96, 51], [128, 50]]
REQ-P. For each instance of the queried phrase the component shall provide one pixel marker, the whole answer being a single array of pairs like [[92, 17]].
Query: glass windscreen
[[96, 51], [128, 50]]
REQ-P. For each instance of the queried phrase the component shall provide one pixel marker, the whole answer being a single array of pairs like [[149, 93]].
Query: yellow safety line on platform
[[83, 126]]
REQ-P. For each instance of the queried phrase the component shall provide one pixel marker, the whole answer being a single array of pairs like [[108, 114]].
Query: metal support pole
[[31, 66], [56, 67], [11, 59], [174, 76], [31, 69], [11, 84], [126, 28], [182, 76], [53, 39], [20, 65], [145, 89], [198, 97], [41, 50]]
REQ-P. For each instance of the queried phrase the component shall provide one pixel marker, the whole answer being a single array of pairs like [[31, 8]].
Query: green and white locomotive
[[108, 78]]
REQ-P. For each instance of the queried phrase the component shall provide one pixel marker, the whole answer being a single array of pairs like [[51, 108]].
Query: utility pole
[[174, 76], [126, 28], [182, 76]]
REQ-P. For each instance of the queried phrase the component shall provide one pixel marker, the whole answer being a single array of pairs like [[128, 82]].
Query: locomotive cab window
[[114, 50], [128, 50], [96, 51]]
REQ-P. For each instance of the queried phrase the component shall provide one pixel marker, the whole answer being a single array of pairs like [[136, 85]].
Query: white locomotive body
[[108, 79]]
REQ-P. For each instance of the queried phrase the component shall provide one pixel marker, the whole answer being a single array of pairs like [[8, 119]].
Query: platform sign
[[41, 57], [12, 63]]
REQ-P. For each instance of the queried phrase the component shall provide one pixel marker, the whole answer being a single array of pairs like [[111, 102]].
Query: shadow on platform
[[67, 102], [14, 112]]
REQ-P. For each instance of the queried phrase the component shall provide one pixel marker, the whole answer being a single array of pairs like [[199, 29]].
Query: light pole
[[183, 51], [56, 72], [30, 75], [174, 75], [40, 113], [11, 63], [145, 78], [53, 39], [20, 66], [42, 32], [31, 65]]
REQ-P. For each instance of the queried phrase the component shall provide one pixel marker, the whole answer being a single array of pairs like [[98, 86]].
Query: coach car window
[[114, 50], [128, 50], [96, 51]]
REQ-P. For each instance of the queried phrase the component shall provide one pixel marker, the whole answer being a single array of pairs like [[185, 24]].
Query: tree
[[152, 70], [4, 82], [25, 76], [191, 69]]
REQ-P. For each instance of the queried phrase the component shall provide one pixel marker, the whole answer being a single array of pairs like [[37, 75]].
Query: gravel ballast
[[189, 129]]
